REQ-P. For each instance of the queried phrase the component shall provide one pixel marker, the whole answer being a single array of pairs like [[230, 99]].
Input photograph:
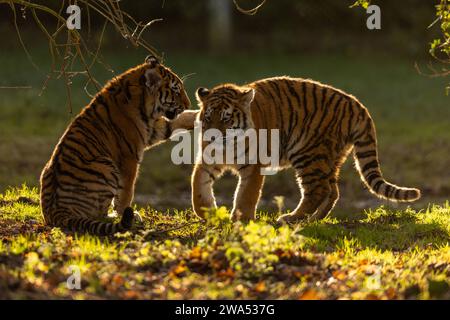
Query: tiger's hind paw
[[290, 218]]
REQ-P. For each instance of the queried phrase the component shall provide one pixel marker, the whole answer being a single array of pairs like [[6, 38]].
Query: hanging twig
[[74, 51], [250, 12]]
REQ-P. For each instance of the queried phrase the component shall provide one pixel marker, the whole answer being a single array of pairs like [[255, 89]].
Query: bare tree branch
[[249, 12], [74, 49]]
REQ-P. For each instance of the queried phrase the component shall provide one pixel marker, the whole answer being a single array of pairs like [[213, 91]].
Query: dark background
[[281, 26]]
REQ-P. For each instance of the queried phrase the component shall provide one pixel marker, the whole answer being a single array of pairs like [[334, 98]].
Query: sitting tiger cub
[[318, 127], [98, 157]]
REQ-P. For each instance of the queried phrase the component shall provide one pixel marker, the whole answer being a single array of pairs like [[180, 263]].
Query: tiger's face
[[166, 88], [225, 107]]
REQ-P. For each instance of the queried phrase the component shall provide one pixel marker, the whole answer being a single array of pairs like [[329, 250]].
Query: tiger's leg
[[328, 205], [124, 197], [247, 193], [340, 156], [315, 187], [202, 188]]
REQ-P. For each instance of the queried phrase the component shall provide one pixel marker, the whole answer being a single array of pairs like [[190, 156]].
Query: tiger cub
[[318, 127], [97, 159]]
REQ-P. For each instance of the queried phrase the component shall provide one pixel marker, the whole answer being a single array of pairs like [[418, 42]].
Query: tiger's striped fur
[[98, 157], [319, 126]]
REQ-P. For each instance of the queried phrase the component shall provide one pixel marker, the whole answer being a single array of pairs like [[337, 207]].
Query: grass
[[383, 255]]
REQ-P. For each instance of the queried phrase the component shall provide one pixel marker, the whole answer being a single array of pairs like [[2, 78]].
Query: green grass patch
[[384, 254]]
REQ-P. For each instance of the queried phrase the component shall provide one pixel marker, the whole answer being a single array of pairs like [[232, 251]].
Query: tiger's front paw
[[185, 120], [202, 212], [241, 215]]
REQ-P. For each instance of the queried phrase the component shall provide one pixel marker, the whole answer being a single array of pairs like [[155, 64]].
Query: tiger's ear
[[152, 79], [247, 96], [152, 61], [201, 93]]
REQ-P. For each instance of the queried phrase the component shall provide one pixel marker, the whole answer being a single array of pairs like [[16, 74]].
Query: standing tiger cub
[[97, 159], [318, 127]]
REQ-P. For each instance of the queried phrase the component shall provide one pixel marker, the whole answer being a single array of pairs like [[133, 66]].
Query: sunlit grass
[[384, 255]]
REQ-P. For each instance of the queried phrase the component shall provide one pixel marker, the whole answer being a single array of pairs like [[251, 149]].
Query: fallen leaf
[[196, 253], [179, 270], [391, 293], [228, 273], [339, 275], [310, 294], [260, 287], [118, 280], [132, 294], [372, 296], [363, 262]]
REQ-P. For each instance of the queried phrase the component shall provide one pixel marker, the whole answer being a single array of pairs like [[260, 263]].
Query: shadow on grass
[[386, 232]]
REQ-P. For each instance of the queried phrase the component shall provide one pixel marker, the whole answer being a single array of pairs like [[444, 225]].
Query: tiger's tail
[[368, 166], [98, 227]]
